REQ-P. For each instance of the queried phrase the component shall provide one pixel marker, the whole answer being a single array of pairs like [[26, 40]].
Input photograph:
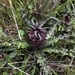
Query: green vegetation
[[37, 37]]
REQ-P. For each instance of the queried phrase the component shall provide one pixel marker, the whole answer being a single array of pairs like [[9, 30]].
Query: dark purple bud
[[67, 18], [37, 36]]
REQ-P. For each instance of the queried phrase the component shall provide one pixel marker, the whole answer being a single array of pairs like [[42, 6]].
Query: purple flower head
[[37, 35]]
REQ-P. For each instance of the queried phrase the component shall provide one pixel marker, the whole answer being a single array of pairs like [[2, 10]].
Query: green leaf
[[30, 6], [1, 30], [26, 60], [2, 34], [33, 70], [55, 40], [13, 54], [21, 33], [22, 45], [5, 73], [7, 44]]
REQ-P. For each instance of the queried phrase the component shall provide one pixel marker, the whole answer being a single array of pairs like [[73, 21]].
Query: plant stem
[[10, 1]]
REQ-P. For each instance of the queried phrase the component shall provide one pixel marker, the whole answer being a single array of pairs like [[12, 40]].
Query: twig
[[71, 61], [21, 62], [61, 65], [18, 69]]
